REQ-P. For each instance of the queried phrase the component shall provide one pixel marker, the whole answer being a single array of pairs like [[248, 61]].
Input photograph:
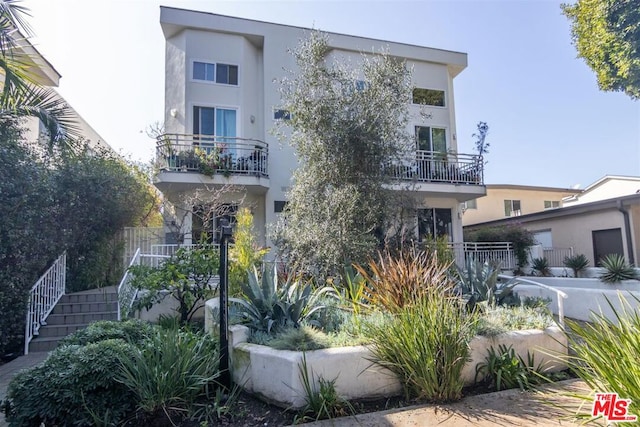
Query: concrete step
[[80, 318], [59, 331], [84, 307], [43, 344], [89, 297]]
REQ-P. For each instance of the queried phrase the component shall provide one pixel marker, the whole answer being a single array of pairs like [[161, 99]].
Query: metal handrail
[[434, 166], [126, 292], [43, 297], [561, 295]]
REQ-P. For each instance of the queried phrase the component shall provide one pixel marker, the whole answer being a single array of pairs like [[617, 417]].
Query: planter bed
[[274, 375]]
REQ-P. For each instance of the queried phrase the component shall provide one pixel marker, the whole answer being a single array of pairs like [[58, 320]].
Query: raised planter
[[275, 374], [584, 296]]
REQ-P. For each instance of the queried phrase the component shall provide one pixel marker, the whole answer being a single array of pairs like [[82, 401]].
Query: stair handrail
[[126, 292], [43, 297], [561, 295]]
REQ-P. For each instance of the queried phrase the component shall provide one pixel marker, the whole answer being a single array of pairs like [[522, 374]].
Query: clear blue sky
[[549, 123]]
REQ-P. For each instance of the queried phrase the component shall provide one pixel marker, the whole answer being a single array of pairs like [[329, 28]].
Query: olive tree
[[348, 128]]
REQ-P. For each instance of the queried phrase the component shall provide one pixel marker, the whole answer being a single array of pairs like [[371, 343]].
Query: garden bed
[[274, 375]]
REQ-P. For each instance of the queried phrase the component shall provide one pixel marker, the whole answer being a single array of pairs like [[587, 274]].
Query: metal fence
[[142, 238], [556, 256]]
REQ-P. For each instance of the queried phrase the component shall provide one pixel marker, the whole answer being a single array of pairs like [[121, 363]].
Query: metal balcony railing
[[211, 155], [432, 166]]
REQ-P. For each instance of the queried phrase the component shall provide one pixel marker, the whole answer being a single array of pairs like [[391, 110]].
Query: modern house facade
[[509, 200], [222, 102]]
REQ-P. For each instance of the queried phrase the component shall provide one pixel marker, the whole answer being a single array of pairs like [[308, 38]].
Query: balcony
[[436, 173], [185, 160]]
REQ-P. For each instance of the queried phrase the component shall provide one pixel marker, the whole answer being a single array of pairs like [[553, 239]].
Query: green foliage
[[502, 319], [478, 283], [131, 331], [304, 338], [521, 238], [351, 291], [426, 345], [171, 370], [577, 263], [245, 254], [187, 277], [269, 304], [541, 266], [617, 269], [606, 352], [395, 281], [74, 386], [606, 34], [322, 401], [343, 133], [504, 369]]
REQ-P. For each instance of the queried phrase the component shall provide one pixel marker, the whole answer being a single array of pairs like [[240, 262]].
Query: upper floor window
[[512, 208], [431, 139], [551, 204], [432, 97], [216, 73], [281, 114]]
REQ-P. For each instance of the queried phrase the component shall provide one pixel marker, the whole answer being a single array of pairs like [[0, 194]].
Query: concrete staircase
[[75, 311]]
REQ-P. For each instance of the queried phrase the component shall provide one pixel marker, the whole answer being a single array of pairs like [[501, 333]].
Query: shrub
[[502, 319], [521, 238], [541, 267], [577, 263], [606, 353], [187, 277], [245, 254], [132, 331], [73, 386], [304, 338], [503, 369], [479, 283], [396, 281], [171, 370], [426, 345], [617, 269]]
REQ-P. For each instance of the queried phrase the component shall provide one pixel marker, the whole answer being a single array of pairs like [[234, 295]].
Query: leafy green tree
[[347, 127], [606, 34]]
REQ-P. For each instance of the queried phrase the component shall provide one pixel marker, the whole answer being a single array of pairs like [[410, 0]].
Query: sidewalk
[[8, 371], [505, 408]]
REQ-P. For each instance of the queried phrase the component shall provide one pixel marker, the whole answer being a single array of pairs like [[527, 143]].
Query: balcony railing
[[431, 166], [212, 155]]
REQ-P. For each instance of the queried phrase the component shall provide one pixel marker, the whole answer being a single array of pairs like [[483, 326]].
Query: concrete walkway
[[9, 370]]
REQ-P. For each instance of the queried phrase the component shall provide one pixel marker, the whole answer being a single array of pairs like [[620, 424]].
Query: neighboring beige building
[[221, 102], [607, 187], [506, 200]]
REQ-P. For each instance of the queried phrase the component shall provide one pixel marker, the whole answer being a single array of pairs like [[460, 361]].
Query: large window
[[214, 121], [215, 72], [431, 97], [431, 139], [434, 222], [512, 208]]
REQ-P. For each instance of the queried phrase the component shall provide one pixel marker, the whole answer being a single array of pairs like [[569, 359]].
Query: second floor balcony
[[438, 167]]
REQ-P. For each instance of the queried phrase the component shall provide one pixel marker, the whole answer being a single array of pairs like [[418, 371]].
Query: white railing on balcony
[[556, 256], [211, 155], [496, 252], [44, 295], [431, 166], [561, 295]]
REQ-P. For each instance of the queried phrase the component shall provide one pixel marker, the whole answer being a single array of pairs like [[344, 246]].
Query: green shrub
[[133, 331], [73, 386], [617, 269], [504, 319], [426, 345], [503, 369], [606, 353], [541, 267], [304, 338], [577, 263], [171, 370], [245, 254]]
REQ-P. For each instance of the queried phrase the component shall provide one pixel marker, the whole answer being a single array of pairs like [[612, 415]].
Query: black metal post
[[225, 234]]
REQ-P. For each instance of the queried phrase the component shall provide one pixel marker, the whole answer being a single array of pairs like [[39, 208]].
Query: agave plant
[[269, 305], [577, 263], [617, 269], [478, 282], [541, 266]]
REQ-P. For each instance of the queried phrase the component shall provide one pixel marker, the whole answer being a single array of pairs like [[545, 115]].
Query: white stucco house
[[221, 102]]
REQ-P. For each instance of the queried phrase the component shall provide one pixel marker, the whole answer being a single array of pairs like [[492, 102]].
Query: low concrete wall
[[584, 296], [275, 374]]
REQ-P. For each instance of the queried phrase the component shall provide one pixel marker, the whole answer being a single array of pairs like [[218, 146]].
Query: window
[[551, 204], [217, 73], [280, 114], [214, 121], [470, 204], [205, 221], [279, 206], [428, 97], [512, 208], [431, 139], [434, 222]]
